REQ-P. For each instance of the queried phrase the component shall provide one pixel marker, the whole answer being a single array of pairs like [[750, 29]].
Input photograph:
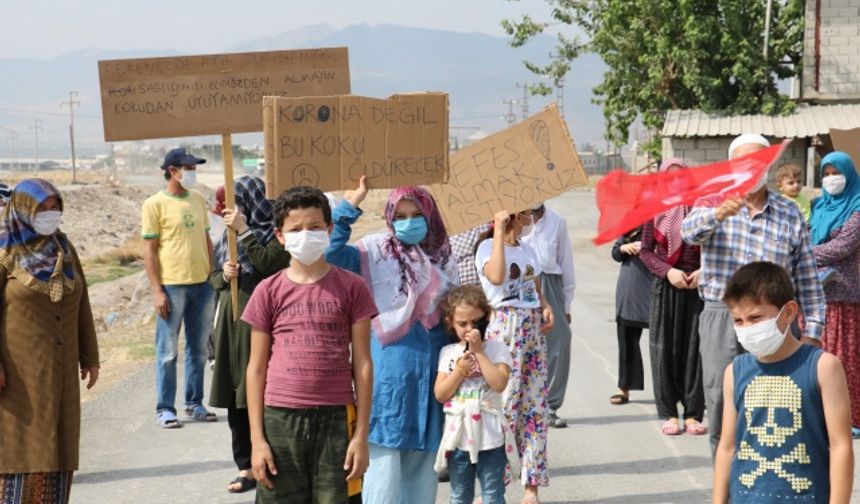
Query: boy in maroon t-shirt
[[308, 429]]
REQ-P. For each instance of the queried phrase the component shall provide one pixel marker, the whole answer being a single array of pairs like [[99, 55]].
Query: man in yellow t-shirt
[[177, 255]]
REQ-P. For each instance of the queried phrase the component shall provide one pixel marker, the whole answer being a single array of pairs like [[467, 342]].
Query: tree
[[675, 54]]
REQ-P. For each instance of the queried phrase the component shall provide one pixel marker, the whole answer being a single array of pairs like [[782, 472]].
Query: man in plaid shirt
[[763, 226]]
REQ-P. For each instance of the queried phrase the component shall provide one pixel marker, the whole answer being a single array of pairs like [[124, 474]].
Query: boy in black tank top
[[786, 417]]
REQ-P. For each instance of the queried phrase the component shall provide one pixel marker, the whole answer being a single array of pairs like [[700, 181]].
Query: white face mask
[[761, 183], [833, 184], [527, 229], [189, 179], [48, 222], [762, 339], [306, 247]]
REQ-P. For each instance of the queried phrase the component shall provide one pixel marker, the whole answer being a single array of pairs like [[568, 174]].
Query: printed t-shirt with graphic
[[781, 439], [522, 267], [476, 387], [311, 328], [181, 224]]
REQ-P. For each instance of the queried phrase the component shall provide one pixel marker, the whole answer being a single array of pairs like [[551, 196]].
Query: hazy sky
[[48, 28]]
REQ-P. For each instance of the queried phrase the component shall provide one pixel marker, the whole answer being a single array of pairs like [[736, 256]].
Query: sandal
[[695, 428], [619, 399], [244, 483], [167, 420], [201, 414], [671, 428]]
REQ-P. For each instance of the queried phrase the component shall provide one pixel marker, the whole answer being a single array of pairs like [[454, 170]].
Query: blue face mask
[[411, 231]]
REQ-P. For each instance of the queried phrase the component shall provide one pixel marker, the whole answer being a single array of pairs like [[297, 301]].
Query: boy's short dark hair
[[300, 197], [760, 281], [787, 170]]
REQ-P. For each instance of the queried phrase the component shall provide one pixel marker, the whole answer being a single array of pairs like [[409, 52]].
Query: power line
[[71, 103], [42, 112], [559, 87], [511, 118], [36, 128], [524, 104]]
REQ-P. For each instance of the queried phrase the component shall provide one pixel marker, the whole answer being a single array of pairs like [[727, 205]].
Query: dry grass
[[120, 262]]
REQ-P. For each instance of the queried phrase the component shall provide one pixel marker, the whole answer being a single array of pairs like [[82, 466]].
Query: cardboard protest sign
[[511, 170], [330, 142], [210, 94], [848, 141]]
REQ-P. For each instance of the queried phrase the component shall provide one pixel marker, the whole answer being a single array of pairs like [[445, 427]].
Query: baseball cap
[[180, 157]]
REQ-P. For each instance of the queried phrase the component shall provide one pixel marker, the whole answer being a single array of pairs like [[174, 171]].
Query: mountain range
[[479, 72]]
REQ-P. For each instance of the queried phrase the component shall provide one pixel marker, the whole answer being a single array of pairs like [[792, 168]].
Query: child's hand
[[262, 461], [466, 363], [473, 338], [548, 320], [355, 197], [501, 219], [357, 458]]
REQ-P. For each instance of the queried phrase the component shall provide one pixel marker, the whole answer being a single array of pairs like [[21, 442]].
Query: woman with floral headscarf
[[47, 343], [835, 233], [409, 270], [259, 257], [676, 366]]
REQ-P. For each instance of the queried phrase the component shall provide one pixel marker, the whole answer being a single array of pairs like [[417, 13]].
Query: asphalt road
[[608, 454]]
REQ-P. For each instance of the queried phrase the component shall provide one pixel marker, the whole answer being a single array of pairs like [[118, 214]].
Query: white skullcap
[[748, 138]]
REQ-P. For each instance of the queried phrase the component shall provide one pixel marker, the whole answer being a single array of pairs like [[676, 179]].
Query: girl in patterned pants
[[509, 271]]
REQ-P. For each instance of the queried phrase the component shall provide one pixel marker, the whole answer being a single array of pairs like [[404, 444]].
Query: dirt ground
[[102, 220]]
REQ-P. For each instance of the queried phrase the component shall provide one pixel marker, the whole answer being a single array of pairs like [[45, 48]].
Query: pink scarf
[[667, 225]]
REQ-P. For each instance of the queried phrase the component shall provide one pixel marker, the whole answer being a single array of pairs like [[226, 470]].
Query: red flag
[[627, 201]]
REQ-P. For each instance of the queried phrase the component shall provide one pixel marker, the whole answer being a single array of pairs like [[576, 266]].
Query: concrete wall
[[699, 151], [839, 76]]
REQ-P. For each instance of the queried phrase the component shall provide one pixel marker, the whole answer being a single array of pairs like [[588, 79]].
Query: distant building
[[599, 163], [829, 97]]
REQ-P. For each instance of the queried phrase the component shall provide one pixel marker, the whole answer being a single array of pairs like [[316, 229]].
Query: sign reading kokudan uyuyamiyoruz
[[211, 94]]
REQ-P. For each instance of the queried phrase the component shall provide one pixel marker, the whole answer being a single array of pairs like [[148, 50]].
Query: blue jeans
[[490, 470], [194, 305], [399, 477]]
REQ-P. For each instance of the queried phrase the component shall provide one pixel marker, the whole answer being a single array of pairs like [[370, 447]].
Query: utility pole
[[559, 87], [12, 136], [767, 28], [36, 127], [524, 104], [71, 103], [510, 117]]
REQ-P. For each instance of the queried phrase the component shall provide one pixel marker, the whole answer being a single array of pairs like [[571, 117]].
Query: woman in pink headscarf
[[409, 269], [676, 366]]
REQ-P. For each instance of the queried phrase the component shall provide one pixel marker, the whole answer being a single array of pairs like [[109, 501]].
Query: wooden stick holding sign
[[212, 94], [230, 203]]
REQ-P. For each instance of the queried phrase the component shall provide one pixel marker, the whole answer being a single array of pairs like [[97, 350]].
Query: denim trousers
[[193, 306], [490, 471]]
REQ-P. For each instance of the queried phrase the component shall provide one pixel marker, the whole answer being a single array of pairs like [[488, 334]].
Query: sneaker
[[555, 421]]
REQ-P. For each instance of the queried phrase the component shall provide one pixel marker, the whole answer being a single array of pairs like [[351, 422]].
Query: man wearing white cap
[[762, 226], [549, 238]]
